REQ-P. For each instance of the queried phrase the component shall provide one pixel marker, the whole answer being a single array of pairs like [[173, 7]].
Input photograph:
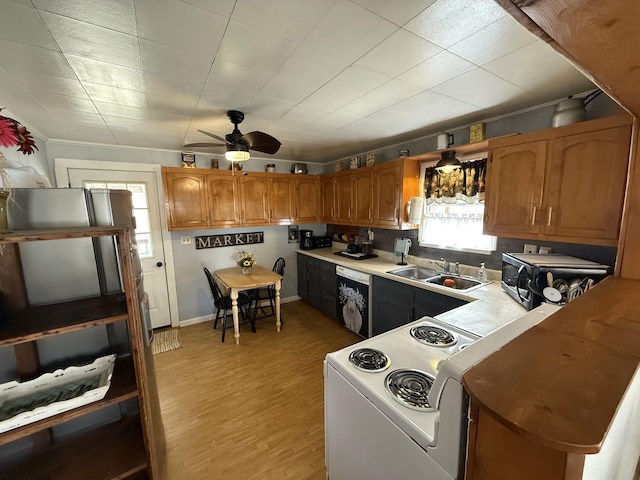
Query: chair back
[[278, 267], [215, 290]]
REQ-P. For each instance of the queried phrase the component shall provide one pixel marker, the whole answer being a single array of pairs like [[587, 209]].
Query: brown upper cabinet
[[563, 184], [200, 199]]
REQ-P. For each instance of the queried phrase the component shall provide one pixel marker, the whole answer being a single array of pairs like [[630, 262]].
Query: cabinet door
[[313, 282], [281, 200], [307, 200], [361, 198], [328, 204], [328, 289], [514, 190], [343, 187], [223, 200], [585, 184], [430, 304], [185, 200], [254, 200], [387, 194], [303, 289], [392, 305]]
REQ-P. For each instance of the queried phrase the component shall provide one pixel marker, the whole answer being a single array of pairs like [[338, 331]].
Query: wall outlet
[[530, 248], [544, 250], [185, 240]]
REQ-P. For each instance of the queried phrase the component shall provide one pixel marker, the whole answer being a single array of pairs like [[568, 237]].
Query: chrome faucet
[[444, 265], [457, 270]]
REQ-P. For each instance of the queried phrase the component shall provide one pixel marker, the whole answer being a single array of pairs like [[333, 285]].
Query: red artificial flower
[[7, 133], [13, 133]]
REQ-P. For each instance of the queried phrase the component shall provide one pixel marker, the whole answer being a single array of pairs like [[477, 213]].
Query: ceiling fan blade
[[214, 136], [261, 142], [189, 145]]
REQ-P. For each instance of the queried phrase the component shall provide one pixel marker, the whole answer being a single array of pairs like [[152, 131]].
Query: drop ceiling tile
[[237, 78], [34, 59], [479, 87], [89, 70], [495, 40], [173, 62], [349, 31], [35, 83], [219, 7], [436, 70], [85, 133], [390, 10], [312, 67], [291, 19], [118, 96], [392, 92], [162, 85], [90, 41], [360, 107], [22, 24], [116, 15], [111, 111], [523, 68], [65, 116], [64, 102], [179, 103], [304, 112], [180, 25], [448, 21], [255, 49], [143, 139], [286, 88], [357, 80], [398, 53]]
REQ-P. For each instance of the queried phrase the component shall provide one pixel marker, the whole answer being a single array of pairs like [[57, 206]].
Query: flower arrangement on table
[[246, 261], [14, 133]]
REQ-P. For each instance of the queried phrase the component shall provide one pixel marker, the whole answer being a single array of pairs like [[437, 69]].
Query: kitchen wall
[[194, 295]]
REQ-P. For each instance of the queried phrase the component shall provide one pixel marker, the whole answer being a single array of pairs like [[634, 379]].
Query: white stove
[[371, 433]]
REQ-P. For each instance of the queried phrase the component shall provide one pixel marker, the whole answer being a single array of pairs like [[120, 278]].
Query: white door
[[148, 229]]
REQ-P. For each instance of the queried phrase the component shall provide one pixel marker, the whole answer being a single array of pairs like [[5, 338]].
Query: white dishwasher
[[353, 297]]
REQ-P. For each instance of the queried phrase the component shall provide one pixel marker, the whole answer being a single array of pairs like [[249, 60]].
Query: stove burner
[[369, 360], [410, 387], [434, 336]]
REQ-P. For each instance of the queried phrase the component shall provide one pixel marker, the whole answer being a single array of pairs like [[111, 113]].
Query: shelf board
[[123, 387], [110, 452], [60, 233], [43, 321]]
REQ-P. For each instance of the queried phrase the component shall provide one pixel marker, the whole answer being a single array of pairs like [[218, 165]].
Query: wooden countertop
[[560, 383]]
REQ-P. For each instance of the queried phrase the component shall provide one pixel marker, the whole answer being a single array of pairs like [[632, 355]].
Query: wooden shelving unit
[[125, 448]]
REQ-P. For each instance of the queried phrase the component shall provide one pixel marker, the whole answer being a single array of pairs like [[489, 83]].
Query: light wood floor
[[248, 411]]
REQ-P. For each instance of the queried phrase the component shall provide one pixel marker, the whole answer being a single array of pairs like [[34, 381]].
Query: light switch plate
[[185, 240]]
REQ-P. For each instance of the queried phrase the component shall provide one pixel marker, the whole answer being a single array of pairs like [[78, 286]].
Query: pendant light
[[448, 161], [237, 152]]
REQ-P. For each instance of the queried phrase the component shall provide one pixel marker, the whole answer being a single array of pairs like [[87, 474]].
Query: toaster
[[299, 168]]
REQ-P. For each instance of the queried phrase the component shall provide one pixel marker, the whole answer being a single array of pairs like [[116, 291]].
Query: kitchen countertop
[[489, 306]]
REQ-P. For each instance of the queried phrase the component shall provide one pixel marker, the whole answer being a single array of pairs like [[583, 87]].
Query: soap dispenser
[[482, 273]]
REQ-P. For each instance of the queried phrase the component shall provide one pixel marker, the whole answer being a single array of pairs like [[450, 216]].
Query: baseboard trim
[[208, 318]]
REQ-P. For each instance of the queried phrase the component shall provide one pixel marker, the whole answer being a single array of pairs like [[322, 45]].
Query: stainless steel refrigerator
[[75, 268]]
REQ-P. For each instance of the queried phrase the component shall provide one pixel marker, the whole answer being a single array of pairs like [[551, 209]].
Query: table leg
[[278, 283], [234, 309]]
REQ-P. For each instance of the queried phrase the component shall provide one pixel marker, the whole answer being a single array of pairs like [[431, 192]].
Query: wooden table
[[235, 281]]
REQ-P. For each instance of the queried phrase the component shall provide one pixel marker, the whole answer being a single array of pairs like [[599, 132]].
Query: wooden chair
[[257, 295], [223, 304]]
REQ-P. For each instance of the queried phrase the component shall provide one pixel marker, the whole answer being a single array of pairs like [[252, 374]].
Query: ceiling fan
[[239, 144]]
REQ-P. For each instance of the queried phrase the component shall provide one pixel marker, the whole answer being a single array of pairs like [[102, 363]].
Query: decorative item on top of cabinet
[[477, 132], [371, 159], [564, 184]]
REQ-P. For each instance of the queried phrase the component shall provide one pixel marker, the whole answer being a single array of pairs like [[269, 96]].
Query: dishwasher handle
[[354, 275]]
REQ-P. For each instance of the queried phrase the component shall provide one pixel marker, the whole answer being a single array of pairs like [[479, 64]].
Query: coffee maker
[[306, 239]]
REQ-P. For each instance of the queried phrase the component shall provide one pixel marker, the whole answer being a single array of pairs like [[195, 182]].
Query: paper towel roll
[[415, 210]]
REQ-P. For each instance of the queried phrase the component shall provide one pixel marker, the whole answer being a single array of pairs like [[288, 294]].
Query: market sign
[[229, 240]]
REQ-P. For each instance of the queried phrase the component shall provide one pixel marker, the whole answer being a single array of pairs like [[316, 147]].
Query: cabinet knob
[[159, 264]]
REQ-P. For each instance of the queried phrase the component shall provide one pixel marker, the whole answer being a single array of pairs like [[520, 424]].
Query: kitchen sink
[[415, 273], [459, 282]]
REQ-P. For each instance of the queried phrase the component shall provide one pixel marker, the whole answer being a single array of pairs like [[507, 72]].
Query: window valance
[[465, 184]]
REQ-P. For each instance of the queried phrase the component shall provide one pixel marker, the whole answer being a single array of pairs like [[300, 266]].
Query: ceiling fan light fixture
[[237, 153], [448, 161]]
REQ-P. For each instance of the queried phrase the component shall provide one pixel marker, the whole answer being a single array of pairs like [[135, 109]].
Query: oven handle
[[520, 270]]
